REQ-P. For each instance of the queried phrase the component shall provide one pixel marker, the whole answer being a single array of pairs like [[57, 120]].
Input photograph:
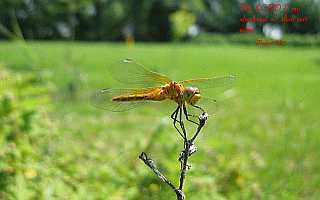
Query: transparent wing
[[131, 73], [214, 92], [212, 87], [208, 104], [103, 99], [205, 83]]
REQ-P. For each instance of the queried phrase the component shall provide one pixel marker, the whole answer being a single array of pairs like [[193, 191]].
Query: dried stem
[[189, 149]]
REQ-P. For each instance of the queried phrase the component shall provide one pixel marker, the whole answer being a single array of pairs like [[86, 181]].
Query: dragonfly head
[[192, 95]]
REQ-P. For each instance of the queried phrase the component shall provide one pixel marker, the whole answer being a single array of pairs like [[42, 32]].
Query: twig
[[150, 163], [189, 149], [202, 119]]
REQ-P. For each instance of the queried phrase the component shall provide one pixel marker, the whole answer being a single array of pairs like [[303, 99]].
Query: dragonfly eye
[[191, 91], [196, 91]]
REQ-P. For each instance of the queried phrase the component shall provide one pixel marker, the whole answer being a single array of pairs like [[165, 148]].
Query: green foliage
[[181, 20], [22, 95], [150, 20], [309, 9], [220, 16], [86, 19]]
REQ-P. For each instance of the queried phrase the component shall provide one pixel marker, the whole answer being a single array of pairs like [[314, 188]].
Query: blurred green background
[[262, 143], [149, 20]]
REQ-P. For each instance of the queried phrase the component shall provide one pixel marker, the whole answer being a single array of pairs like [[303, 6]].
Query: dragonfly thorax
[[191, 95]]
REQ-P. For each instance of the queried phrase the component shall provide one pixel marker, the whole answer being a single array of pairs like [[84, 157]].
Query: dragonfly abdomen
[[130, 98], [153, 96]]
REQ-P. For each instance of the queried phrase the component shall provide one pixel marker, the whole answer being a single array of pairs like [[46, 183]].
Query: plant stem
[[189, 149]]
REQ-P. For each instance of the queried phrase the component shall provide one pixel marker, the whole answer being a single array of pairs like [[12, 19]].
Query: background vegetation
[[146, 20], [263, 143]]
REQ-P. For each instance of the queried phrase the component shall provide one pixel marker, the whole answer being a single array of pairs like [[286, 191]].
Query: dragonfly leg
[[199, 108], [181, 124], [174, 117], [188, 115]]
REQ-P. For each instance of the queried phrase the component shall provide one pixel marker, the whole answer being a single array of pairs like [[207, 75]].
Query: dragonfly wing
[[213, 92], [211, 82], [131, 73], [208, 104], [212, 87], [103, 99]]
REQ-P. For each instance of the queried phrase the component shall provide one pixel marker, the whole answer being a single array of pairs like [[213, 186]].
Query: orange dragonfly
[[147, 86]]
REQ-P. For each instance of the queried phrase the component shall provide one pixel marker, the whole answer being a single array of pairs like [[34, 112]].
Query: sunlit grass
[[263, 142]]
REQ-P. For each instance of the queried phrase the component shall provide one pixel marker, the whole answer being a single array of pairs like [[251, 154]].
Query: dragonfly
[[143, 86]]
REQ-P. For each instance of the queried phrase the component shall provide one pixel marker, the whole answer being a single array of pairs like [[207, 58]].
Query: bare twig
[[150, 163], [202, 119], [189, 149]]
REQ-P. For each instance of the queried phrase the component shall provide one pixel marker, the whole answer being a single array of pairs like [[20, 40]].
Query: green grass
[[263, 143]]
